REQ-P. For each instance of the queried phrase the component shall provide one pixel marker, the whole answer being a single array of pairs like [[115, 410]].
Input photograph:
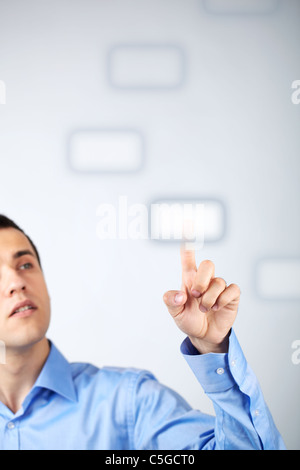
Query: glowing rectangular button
[[278, 278], [193, 221], [146, 66], [106, 151]]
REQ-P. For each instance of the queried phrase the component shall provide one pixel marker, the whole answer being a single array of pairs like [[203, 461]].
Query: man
[[47, 403]]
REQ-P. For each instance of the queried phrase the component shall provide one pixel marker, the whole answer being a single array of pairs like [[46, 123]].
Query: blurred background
[[181, 100]]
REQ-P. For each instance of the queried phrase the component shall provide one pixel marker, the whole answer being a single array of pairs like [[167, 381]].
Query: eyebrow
[[20, 253]]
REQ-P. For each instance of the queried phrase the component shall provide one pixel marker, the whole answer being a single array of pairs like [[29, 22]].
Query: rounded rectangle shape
[[203, 219], [278, 278], [146, 66], [106, 150]]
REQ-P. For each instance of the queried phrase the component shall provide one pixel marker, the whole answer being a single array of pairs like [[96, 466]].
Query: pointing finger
[[189, 267], [188, 261]]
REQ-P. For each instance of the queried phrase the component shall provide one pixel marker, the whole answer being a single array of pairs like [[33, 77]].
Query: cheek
[[40, 287], [46, 297]]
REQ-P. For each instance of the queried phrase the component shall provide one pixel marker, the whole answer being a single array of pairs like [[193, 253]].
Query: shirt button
[[11, 425], [220, 371], [256, 412], [233, 363]]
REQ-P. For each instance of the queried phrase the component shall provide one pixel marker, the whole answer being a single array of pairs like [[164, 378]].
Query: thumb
[[175, 301]]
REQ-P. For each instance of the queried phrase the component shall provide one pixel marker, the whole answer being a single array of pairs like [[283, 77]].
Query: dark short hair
[[5, 222]]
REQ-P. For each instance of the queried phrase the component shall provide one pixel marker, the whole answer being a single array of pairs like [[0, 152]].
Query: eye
[[26, 266]]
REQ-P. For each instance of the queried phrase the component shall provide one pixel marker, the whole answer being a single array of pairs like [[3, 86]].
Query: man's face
[[22, 288]]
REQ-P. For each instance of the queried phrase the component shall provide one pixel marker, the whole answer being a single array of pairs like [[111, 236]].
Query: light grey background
[[228, 131]]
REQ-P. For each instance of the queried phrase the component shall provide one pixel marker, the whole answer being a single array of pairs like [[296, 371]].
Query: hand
[[205, 308]]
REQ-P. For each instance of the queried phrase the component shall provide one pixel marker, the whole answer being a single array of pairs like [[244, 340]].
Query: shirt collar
[[56, 375]]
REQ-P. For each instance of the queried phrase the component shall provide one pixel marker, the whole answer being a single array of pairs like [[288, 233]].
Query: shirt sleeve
[[159, 418], [243, 420]]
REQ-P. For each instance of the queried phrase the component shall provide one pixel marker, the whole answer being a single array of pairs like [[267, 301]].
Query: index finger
[[188, 261]]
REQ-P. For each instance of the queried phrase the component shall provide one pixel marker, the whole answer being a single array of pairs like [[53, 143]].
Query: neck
[[19, 373]]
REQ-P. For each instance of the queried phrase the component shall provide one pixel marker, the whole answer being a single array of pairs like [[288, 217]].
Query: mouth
[[23, 309]]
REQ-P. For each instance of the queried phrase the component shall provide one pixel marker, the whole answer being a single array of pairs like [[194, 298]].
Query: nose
[[15, 284]]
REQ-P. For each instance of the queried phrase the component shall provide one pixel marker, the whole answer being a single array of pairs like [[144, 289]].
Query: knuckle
[[220, 282], [236, 288], [207, 263]]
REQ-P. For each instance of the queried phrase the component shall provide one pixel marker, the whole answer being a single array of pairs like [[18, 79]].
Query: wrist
[[205, 347]]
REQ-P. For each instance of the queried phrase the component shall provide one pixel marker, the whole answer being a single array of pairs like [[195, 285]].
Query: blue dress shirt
[[79, 406]]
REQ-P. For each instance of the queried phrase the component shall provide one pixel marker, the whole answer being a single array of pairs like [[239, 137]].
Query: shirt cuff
[[216, 372]]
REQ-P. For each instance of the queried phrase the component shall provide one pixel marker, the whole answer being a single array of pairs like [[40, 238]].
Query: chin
[[26, 337]]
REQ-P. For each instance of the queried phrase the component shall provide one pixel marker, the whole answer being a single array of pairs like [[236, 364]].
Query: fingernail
[[202, 308], [178, 298], [215, 307], [196, 293]]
